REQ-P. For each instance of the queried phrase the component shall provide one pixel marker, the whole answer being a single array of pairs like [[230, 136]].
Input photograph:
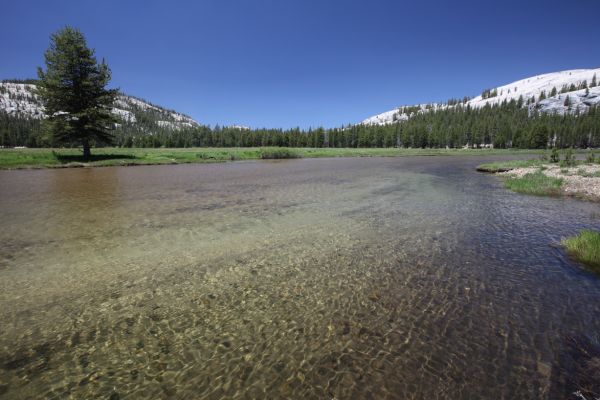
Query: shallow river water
[[314, 278]]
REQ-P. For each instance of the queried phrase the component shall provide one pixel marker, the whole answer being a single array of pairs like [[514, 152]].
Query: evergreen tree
[[72, 88], [542, 95], [538, 137], [593, 84]]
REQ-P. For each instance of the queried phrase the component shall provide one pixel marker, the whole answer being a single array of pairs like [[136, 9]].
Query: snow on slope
[[19, 99], [535, 85], [527, 88], [401, 113], [240, 127], [579, 101]]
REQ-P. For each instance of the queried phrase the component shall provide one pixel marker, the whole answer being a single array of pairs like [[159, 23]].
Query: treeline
[[18, 131], [503, 126]]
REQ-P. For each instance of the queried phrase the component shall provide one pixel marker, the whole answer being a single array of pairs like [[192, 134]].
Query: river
[[407, 277]]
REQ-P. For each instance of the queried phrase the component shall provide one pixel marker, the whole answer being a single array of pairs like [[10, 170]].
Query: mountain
[[18, 100], [545, 93]]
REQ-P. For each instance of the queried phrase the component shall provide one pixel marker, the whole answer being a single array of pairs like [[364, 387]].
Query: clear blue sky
[[285, 63]]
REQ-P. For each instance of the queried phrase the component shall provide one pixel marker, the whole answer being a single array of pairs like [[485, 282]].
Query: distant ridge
[[536, 92], [18, 99]]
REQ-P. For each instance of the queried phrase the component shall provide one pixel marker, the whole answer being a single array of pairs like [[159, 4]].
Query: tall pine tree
[[73, 90]]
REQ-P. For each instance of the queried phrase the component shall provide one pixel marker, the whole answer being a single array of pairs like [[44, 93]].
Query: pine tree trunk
[[87, 154]]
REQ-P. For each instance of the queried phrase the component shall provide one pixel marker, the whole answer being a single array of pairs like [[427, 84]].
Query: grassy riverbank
[[505, 166], [569, 176], [59, 158], [536, 183], [585, 247]]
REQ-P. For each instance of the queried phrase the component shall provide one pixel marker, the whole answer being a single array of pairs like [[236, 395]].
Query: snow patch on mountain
[[579, 101], [174, 125], [402, 113], [124, 115], [524, 89], [240, 127], [19, 99]]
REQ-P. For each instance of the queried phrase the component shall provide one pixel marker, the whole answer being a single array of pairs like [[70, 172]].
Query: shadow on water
[[68, 158]]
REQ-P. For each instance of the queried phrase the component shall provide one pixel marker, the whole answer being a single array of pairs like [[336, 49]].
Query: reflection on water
[[346, 278]]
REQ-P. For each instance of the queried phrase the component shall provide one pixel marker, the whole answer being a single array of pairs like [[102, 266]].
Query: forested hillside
[[563, 92], [512, 122]]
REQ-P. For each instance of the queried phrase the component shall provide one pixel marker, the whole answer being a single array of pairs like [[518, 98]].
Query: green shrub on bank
[[568, 159], [585, 247], [272, 153], [554, 156], [591, 158], [536, 183]]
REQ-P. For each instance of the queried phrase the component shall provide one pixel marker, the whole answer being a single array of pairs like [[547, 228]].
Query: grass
[[585, 247], [536, 183], [582, 172], [58, 158], [505, 166]]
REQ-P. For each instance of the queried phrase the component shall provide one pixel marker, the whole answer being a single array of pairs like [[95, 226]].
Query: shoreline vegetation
[[29, 158], [536, 183], [551, 174], [585, 248], [579, 179]]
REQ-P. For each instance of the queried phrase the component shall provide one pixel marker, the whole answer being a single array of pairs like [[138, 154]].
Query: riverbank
[[111, 156], [579, 181], [542, 178]]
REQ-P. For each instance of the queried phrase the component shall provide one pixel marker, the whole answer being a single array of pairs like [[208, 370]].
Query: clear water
[[331, 278]]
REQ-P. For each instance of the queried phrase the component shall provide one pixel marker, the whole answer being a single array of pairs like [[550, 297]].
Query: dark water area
[[404, 278]]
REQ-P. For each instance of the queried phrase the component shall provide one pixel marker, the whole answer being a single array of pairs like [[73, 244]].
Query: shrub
[[554, 157], [591, 158], [568, 158], [271, 153]]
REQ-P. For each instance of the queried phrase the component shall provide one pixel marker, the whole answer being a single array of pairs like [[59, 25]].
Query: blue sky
[[286, 63]]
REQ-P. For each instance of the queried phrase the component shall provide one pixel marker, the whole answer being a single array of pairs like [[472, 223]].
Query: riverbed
[[407, 277]]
